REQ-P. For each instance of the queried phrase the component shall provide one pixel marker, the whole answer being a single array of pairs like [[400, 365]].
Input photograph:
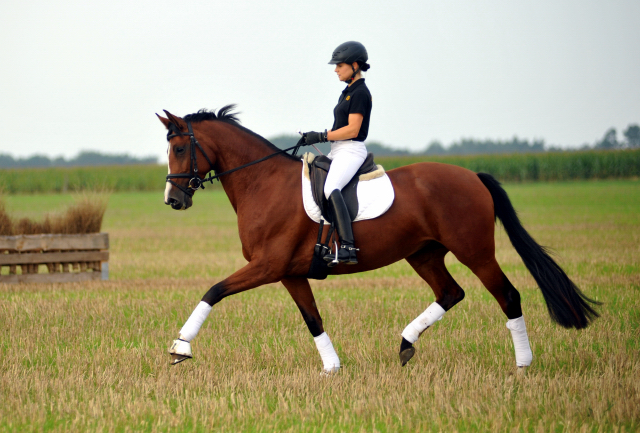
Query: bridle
[[195, 182]]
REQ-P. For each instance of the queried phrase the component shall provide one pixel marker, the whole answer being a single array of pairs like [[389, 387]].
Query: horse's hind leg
[[509, 299], [429, 264], [300, 291]]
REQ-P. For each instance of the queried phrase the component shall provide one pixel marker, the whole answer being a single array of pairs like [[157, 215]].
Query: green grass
[[93, 357]]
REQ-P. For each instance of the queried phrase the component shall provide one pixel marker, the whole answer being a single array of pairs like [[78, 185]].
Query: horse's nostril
[[174, 203]]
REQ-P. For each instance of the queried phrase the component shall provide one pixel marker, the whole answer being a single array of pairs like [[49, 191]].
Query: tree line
[[83, 159], [465, 146], [470, 146]]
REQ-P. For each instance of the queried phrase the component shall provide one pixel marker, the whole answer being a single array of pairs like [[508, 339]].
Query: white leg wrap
[[197, 318], [430, 316], [330, 359], [518, 329]]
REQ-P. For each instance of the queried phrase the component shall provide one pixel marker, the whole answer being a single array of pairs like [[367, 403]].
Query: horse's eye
[[179, 150]]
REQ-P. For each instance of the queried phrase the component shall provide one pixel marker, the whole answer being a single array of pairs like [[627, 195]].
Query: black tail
[[567, 305]]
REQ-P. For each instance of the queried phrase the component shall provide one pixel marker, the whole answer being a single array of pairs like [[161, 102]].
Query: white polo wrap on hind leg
[[197, 318], [430, 316], [330, 359], [518, 329]]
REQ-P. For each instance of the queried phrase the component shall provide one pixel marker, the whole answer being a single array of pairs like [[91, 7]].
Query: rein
[[195, 182]]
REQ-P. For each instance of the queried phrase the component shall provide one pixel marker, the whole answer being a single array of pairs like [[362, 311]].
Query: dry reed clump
[[6, 225], [84, 216]]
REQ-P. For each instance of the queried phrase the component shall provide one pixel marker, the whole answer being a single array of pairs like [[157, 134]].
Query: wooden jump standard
[[67, 258]]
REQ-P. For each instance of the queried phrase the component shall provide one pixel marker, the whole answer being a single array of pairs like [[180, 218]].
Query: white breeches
[[347, 156]]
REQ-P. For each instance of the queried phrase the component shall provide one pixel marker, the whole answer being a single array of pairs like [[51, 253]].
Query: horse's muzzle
[[179, 204]]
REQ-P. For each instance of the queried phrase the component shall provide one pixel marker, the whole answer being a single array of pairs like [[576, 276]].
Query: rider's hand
[[313, 137]]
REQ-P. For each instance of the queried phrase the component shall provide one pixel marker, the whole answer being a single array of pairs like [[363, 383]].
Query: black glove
[[313, 137]]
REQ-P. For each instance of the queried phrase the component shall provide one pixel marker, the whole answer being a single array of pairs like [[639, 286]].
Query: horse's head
[[188, 162]]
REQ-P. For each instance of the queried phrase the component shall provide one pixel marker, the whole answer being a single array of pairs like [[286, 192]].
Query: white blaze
[[168, 187]]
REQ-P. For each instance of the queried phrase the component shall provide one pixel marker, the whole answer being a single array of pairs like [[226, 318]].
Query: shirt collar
[[351, 88]]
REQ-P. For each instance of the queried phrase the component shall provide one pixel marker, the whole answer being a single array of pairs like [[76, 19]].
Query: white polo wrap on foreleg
[[197, 318], [518, 329], [430, 316], [330, 359]]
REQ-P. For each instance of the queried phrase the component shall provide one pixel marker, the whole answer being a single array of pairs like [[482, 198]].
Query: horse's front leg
[[254, 274], [300, 291]]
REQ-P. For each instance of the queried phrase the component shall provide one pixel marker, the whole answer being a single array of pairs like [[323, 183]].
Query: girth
[[318, 170]]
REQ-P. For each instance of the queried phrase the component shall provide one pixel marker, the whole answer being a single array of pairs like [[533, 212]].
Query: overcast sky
[[79, 75]]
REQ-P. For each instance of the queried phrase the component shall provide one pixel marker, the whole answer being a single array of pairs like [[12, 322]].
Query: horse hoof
[[180, 350], [521, 371], [330, 372], [406, 355], [176, 359]]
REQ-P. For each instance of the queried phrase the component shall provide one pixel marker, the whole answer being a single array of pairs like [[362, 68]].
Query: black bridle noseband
[[195, 182]]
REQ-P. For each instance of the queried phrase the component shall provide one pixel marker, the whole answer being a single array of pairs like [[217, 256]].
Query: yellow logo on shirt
[[348, 97]]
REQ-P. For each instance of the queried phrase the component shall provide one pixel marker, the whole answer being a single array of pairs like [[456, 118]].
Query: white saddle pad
[[375, 193]]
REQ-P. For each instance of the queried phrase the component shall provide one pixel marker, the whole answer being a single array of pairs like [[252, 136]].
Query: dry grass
[[81, 357], [94, 357], [83, 216]]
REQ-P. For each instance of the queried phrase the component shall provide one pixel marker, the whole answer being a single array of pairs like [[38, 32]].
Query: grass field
[[78, 357]]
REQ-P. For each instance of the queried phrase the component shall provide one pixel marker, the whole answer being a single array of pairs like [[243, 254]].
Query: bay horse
[[438, 208]]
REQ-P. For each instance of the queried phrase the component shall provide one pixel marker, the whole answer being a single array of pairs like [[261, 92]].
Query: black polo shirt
[[354, 99]]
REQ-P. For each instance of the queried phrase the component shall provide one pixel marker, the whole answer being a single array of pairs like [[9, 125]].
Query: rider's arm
[[347, 132]]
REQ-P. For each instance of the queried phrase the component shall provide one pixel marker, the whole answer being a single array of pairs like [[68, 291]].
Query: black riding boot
[[342, 222]]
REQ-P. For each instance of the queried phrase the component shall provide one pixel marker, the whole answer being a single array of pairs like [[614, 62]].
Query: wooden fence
[[54, 258]]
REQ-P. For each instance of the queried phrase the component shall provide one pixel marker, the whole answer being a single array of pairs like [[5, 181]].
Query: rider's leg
[[347, 159], [342, 221], [346, 162]]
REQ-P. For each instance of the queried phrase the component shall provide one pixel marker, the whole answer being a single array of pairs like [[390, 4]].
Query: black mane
[[228, 115]]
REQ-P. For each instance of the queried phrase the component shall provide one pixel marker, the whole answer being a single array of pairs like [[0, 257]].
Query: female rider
[[350, 129]]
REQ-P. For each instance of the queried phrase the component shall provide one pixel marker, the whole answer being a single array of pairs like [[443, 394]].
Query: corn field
[[551, 166]]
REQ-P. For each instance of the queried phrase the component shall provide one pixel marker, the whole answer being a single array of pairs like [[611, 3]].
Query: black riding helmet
[[348, 53]]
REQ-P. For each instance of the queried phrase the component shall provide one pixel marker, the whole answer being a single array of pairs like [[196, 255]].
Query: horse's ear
[[176, 121], [164, 121]]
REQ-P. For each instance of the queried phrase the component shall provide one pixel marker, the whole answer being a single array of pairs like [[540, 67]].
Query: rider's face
[[344, 71]]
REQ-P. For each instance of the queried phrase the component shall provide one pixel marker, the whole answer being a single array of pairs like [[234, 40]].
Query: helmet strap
[[353, 76]]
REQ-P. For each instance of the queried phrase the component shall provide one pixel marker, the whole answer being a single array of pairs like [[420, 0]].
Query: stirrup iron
[[335, 259]]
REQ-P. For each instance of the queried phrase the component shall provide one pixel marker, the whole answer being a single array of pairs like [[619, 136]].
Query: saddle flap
[[318, 170]]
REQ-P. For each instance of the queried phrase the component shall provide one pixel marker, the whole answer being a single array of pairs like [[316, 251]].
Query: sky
[[78, 75]]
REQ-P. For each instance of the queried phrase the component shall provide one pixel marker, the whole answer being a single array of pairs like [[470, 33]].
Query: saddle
[[318, 170]]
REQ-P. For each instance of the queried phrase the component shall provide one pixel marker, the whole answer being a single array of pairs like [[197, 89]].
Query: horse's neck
[[237, 148]]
